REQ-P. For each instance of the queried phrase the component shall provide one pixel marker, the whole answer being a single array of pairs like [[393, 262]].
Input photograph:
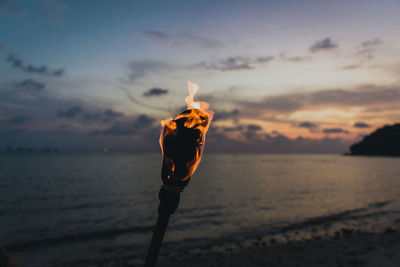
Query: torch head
[[182, 142]]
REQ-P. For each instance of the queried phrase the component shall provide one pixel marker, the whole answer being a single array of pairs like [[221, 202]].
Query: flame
[[182, 139]]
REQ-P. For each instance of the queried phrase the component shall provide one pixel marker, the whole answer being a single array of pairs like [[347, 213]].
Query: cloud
[[47, 10], [11, 8], [323, 45], [251, 131], [133, 133], [334, 130], [248, 131], [232, 129], [106, 116], [140, 69], [312, 127], [366, 50], [223, 65], [72, 140], [69, 113], [70, 124], [218, 141], [284, 103], [145, 140], [51, 10], [91, 117], [139, 124], [44, 70], [157, 35], [19, 119], [250, 135], [242, 127], [224, 115], [155, 92], [50, 112], [254, 127], [351, 67], [361, 125], [30, 98], [58, 72], [297, 59], [182, 39], [131, 98], [17, 63], [30, 85], [371, 43], [233, 63], [2, 47], [307, 124], [77, 112], [113, 114], [361, 96]]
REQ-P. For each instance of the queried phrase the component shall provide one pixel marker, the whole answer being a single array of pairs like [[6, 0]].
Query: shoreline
[[347, 247]]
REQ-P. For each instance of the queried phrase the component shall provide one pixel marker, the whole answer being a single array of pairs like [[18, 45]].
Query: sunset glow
[[272, 70]]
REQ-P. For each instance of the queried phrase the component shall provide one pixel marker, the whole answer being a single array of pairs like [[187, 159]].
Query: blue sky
[[299, 70]]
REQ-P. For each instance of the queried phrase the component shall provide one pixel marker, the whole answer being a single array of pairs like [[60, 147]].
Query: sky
[[281, 76]]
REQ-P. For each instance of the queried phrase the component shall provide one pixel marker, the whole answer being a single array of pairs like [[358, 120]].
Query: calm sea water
[[65, 209]]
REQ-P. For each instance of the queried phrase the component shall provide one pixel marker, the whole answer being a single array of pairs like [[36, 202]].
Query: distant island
[[383, 142]]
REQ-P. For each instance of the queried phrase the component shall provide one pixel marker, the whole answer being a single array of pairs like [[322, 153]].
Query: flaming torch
[[182, 142]]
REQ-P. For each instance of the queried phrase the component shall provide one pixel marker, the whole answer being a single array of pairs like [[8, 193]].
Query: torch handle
[[156, 240], [169, 202]]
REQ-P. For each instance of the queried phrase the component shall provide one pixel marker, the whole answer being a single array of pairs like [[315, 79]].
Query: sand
[[346, 247]]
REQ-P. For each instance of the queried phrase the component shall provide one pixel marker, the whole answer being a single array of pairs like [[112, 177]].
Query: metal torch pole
[[169, 201]]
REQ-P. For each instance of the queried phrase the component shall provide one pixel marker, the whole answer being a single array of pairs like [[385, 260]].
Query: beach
[[347, 247]]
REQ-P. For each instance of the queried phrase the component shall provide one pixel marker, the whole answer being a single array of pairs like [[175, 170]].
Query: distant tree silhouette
[[383, 142]]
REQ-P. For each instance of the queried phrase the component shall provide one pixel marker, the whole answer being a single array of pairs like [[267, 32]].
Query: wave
[[79, 237], [372, 210], [78, 207], [336, 217]]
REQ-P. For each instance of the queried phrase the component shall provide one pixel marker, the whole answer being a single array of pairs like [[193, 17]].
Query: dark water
[[67, 209]]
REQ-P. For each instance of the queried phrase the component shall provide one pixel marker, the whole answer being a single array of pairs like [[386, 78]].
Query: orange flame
[[197, 119]]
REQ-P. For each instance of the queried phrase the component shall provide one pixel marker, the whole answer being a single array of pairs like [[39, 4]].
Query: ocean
[[88, 209]]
